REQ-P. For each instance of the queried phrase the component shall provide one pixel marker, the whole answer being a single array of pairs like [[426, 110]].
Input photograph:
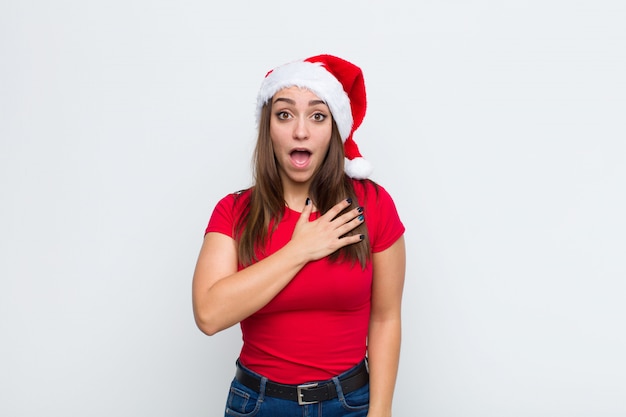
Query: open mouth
[[300, 157]]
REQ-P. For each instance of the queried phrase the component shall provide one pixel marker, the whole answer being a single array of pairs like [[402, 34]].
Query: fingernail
[[361, 217], [349, 200], [360, 209], [361, 237], [308, 201]]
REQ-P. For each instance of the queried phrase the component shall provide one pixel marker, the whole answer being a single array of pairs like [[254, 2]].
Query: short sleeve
[[226, 213], [382, 218]]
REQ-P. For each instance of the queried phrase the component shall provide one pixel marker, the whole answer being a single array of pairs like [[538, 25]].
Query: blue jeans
[[244, 402]]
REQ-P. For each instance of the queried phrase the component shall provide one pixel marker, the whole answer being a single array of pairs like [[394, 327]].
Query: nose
[[301, 130]]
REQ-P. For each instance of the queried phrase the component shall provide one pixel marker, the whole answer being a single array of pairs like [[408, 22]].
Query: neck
[[296, 195]]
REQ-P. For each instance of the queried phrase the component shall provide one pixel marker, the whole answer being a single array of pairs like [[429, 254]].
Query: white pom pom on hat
[[341, 85]]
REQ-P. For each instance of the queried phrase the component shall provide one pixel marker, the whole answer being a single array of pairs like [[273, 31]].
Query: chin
[[299, 177]]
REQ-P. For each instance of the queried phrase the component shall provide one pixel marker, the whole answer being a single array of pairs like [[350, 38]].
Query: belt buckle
[[299, 389]]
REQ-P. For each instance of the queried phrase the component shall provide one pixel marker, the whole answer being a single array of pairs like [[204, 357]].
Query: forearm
[[384, 354], [238, 295]]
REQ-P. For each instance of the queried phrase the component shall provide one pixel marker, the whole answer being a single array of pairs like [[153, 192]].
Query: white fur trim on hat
[[358, 168], [314, 77]]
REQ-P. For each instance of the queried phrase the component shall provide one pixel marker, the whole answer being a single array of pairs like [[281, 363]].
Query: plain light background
[[497, 126]]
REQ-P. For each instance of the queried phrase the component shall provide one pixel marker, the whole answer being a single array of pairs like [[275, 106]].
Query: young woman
[[310, 260]]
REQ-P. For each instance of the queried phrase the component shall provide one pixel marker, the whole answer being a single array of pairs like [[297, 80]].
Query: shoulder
[[236, 200], [227, 211], [381, 216], [370, 192]]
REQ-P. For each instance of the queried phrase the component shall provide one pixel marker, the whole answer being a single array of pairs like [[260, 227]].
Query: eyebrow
[[292, 102]]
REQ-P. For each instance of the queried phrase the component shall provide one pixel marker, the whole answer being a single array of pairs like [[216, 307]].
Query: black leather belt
[[306, 393]]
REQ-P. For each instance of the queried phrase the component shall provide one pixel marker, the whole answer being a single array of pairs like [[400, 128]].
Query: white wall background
[[498, 126]]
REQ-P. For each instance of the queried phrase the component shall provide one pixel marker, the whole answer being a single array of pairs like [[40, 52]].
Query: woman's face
[[300, 129]]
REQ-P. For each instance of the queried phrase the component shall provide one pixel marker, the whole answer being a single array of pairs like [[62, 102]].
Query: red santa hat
[[340, 84]]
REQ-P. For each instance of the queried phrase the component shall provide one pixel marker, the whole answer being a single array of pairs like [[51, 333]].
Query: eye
[[283, 115], [319, 117]]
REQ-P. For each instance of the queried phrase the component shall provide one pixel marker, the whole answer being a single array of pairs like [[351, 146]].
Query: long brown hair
[[267, 203]]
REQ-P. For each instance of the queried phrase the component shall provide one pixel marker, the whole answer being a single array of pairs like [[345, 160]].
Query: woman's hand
[[323, 236]]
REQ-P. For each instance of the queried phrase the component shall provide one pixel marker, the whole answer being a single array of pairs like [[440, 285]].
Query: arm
[[385, 326], [223, 296]]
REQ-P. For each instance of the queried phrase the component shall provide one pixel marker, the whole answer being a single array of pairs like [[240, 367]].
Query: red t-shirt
[[316, 327]]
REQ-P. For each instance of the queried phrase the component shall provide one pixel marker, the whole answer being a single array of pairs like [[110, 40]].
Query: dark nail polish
[[308, 201], [361, 217], [349, 200], [361, 237], [360, 209]]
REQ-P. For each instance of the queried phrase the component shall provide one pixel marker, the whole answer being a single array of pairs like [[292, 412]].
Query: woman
[[310, 260]]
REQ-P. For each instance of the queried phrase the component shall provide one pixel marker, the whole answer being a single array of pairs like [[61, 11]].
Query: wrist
[[371, 413], [295, 254]]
